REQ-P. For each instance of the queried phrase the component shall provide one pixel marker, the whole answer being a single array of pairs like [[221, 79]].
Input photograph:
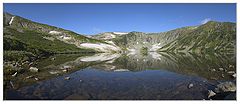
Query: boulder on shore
[[225, 87]]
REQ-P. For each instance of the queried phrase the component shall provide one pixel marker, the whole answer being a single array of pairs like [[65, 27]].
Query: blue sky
[[95, 18]]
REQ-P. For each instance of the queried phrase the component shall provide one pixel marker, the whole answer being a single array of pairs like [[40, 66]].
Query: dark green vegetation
[[25, 42], [23, 34], [144, 51]]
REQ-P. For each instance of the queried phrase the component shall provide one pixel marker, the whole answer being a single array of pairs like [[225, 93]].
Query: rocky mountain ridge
[[210, 37]]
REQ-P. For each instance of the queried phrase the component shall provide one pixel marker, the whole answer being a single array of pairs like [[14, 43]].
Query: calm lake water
[[123, 76]]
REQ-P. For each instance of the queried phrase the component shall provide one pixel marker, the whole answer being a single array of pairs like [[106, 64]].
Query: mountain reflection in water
[[123, 76]]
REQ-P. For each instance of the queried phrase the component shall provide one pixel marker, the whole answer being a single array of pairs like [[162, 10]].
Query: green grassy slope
[[210, 37]]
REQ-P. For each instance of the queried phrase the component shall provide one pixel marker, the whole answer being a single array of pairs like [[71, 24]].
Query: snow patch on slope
[[155, 47], [65, 37], [109, 36], [10, 22], [120, 33], [131, 52], [100, 57], [54, 32], [100, 47], [111, 42], [121, 70], [155, 55]]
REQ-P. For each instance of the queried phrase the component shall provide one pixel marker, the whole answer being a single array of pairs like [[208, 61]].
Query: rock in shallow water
[[230, 72], [190, 85], [231, 66], [234, 75], [33, 69], [221, 69], [29, 77], [36, 79], [65, 70], [67, 78], [211, 93], [213, 69], [225, 87]]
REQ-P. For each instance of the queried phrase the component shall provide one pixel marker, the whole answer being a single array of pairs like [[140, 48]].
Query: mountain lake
[[130, 76]]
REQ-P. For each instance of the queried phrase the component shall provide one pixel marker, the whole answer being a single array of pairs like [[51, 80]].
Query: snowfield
[[109, 36], [65, 37], [120, 33], [54, 32], [131, 50], [121, 70], [10, 22], [100, 57], [155, 47], [155, 55], [100, 47], [111, 42]]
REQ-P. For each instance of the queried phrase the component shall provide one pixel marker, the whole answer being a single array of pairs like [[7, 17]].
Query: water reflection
[[96, 84], [184, 63], [123, 76]]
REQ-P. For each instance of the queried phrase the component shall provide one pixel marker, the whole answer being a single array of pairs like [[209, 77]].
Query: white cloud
[[205, 20]]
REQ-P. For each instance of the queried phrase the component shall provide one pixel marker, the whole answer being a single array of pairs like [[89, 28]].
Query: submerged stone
[[67, 78], [190, 85]]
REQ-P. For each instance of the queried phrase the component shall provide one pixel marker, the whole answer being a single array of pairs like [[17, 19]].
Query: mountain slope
[[42, 38], [212, 36]]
